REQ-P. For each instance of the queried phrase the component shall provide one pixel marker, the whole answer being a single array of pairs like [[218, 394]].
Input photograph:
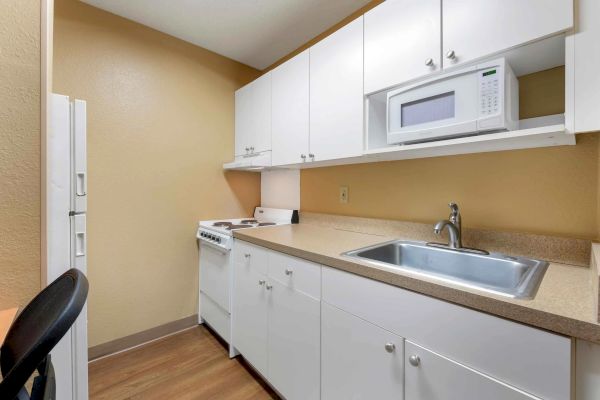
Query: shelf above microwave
[[530, 137]]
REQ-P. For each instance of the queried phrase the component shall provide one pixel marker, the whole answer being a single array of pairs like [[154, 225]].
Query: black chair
[[35, 332]]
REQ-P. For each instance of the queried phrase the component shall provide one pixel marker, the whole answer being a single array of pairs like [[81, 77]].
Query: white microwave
[[478, 99]]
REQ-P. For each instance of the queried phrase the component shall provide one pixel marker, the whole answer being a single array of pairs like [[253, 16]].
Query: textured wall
[[19, 151], [160, 125]]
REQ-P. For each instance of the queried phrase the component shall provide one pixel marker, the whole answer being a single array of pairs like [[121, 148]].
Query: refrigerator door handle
[[81, 184], [79, 244]]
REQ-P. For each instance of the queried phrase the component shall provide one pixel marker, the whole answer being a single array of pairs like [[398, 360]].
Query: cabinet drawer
[[296, 273], [530, 359], [252, 256], [434, 377]]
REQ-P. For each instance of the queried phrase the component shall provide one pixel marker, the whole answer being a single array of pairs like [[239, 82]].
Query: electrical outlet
[[344, 194]]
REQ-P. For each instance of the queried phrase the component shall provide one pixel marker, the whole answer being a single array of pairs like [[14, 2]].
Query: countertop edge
[[514, 312]]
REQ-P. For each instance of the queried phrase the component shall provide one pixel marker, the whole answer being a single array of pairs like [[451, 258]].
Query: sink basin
[[514, 277]]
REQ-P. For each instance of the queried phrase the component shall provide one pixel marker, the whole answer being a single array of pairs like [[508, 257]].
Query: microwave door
[[437, 110], [78, 156]]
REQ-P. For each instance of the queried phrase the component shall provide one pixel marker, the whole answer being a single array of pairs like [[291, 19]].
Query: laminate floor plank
[[191, 365]]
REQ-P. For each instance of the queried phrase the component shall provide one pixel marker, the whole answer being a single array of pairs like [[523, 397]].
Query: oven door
[[432, 110], [215, 274]]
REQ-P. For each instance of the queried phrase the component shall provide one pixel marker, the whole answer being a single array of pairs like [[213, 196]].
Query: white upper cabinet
[[474, 28], [336, 94], [253, 117], [290, 91], [583, 59], [402, 42]]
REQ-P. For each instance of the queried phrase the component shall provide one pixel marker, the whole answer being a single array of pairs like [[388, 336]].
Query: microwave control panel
[[489, 83]]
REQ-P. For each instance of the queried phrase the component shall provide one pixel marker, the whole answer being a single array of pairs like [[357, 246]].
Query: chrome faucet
[[453, 223]]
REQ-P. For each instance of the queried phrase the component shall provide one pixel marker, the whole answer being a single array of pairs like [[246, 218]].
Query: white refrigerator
[[66, 206]]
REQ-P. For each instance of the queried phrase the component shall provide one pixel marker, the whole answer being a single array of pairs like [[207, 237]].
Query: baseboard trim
[[127, 342]]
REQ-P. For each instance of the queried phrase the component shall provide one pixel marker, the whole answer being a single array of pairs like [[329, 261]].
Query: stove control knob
[[218, 240], [203, 234]]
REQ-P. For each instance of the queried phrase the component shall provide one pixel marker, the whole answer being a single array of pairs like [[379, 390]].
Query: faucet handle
[[454, 214], [453, 207]]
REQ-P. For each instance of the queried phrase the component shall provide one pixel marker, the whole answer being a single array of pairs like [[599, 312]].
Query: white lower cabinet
[[359, 360], [320, 333], [249, 326], [276, 326], [431, 376], [294, 343]]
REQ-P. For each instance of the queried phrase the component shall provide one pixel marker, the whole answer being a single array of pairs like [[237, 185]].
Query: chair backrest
[[39, 327]]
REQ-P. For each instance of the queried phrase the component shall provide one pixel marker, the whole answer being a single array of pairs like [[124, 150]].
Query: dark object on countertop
[[295, 217], [35, 332]]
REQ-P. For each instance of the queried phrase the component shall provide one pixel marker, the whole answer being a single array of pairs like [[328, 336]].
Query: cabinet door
[[290, 87], [433, 377], [473, 28], [402, 42], [294, 343], [249, 315], [360, 361], [336, 94], [253, 116]]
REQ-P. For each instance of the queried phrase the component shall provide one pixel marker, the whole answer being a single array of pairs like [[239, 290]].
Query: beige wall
[[547, 190], [550, 190], [160, 125], [19, 151]]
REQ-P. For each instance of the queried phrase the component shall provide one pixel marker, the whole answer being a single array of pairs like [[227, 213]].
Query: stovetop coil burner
[[240, 226], [222, 223]]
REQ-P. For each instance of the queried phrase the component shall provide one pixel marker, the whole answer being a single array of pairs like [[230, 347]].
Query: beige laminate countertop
[[563, 304]]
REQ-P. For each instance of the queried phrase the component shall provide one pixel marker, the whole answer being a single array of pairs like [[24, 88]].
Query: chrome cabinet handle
[[269, 286], [390, 347], [451, 55], [415, 361], [261, 282], [429, 62], [289, 271]]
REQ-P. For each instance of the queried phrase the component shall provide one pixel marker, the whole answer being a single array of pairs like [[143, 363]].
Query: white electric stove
[[216, 270]]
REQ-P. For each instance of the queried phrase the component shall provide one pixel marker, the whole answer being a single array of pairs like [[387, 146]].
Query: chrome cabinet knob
[[451, 55], [261, 282], [415, 361], [429, 62], [390, 347], [269, 286], [289, 271]]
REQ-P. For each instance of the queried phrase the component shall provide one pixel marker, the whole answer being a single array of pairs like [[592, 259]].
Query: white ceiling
[[254, 32]]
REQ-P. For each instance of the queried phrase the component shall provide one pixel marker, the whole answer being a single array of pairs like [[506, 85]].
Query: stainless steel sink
[[514, 277]]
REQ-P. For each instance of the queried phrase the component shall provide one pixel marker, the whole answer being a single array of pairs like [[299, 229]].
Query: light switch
[[344, 194]]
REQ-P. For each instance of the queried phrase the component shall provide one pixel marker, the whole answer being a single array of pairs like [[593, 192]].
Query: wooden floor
[[189, 365]]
